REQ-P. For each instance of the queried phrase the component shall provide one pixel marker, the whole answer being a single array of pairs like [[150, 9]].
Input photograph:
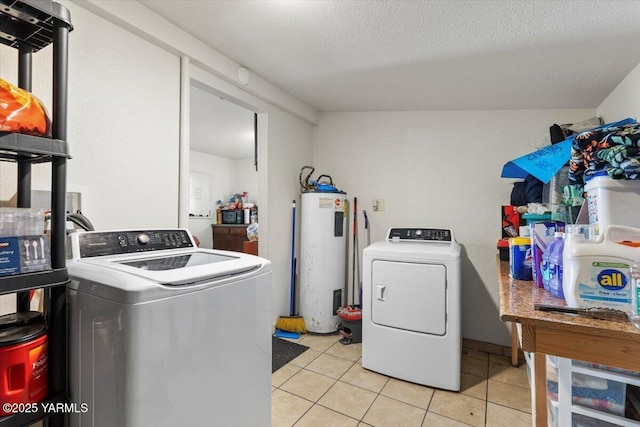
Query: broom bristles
[[291, 324]]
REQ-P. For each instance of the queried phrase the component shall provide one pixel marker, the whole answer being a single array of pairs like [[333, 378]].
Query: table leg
[[514, 345], [540, 390]]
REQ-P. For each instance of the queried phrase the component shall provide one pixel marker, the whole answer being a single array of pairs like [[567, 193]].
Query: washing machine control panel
[[419, 235], [104, 243]]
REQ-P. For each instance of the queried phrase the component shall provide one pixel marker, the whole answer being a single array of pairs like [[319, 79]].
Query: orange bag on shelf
[[22, 112]]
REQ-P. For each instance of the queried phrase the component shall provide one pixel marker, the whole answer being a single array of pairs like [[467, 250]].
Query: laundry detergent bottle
[[545, 265], [555, 265], [596, 273]]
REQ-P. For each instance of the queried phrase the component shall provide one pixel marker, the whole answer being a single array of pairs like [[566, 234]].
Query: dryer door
[[409, 296]]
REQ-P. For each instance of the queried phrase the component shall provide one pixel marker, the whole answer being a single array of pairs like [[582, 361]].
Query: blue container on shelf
[[520, 258], [533, 218]]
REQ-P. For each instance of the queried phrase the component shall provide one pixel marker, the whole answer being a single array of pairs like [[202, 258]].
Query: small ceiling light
[[243, 76]]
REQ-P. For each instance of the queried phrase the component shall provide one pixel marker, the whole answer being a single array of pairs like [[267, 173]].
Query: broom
[[291, 323]]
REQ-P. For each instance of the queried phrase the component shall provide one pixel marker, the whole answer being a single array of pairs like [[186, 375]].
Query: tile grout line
[[379, 393], [509, 407], [426, 412], [376, 398], [353, 363], [502, 382], [361, 420], [486, 393], [508, 383]]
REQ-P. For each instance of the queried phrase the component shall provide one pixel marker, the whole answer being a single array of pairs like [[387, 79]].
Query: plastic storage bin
[[613, 201], [577, 420], [591, 392], [605, 368]]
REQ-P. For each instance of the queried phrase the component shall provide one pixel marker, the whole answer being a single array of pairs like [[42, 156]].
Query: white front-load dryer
[[411, 326]]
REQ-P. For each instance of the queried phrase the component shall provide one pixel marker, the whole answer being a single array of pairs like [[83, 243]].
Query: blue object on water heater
[[320, 186]]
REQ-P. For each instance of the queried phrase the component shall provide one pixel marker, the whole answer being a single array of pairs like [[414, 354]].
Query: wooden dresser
[[229, 237]]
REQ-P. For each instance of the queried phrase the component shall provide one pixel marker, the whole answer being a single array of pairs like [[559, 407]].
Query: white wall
[[624, 101], [123, 118], [124, 124], [289, 148], [437, 169]]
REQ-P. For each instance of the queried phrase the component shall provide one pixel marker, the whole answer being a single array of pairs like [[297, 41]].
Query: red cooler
[[23, 364]]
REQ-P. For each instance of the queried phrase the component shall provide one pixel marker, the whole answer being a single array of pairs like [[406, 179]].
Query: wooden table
[[599, 341]]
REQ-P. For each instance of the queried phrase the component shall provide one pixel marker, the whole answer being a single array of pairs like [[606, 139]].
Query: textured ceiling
[[424, 55]]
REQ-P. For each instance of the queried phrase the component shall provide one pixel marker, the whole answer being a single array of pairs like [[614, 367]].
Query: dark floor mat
[[283, 351]]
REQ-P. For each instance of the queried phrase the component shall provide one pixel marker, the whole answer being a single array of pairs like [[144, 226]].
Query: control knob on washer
[[143, 239]]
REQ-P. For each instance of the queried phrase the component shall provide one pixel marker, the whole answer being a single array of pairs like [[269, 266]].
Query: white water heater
[[323, 245]]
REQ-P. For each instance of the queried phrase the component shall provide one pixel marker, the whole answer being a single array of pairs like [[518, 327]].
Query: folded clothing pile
[[612, 150]]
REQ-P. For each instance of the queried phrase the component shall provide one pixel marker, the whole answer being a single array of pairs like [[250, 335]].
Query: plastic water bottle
[[555, 265], [634, 315]]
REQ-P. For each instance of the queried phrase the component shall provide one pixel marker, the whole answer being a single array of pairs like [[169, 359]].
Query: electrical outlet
[[378, 205]]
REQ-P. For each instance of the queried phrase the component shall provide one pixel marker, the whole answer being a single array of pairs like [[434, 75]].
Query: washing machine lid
[[167, 257], [179, 268]]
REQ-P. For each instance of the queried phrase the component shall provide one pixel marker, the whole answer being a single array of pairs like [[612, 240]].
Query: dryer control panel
[[419, 235]]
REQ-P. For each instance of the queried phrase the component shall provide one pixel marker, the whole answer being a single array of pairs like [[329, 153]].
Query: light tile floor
[[326, 386]]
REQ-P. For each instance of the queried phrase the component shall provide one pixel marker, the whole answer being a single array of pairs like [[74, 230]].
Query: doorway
[[222, 160]]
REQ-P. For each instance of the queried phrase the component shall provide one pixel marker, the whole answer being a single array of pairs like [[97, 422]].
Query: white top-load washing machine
[[411, 326], [162, 333]]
